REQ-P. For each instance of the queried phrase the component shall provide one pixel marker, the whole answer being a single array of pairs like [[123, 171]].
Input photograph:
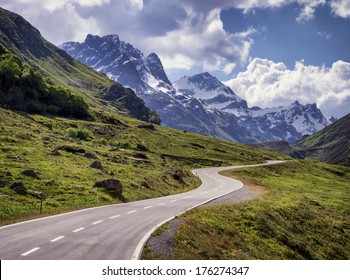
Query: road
[[109, 232]]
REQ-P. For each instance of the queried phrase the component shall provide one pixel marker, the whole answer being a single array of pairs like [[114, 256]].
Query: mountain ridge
[[25, 41], [199, 103]]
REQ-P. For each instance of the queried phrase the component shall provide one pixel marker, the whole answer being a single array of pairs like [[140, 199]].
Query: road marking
[[56, 239], [188, 196], [147, 207], [203, 192], [174, 200], [97, 222], [30, 251], [116, 216], [79, 229], [130, 212], [215, 189], [160, 204]]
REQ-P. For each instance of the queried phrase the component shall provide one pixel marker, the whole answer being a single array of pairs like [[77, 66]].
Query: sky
[[270, 52]]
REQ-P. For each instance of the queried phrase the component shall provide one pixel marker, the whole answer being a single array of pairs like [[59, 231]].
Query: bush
[[78, 133]]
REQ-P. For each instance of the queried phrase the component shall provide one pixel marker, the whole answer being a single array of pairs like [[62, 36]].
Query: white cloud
[[266, 83], [184, 33], [341, 8]]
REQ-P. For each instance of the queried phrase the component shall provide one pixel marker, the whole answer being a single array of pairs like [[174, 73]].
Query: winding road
[[116, 232]]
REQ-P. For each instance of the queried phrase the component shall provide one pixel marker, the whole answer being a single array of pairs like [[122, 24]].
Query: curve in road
[[109, 232]]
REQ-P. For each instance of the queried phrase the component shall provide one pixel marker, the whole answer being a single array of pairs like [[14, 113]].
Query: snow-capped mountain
[[200, 103], [209, 89]]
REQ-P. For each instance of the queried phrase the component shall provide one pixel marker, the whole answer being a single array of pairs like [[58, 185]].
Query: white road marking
[[174, 200], [97, 222], [56, 239], [160, 204], [113, 217], [147, 207], [130, 212], [188, 196], [79, 229], [30, 251], [215, 189], [203, 192]]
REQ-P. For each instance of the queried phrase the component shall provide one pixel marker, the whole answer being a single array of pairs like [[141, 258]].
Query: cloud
[[341, 8], [186, 34], [266, 83]]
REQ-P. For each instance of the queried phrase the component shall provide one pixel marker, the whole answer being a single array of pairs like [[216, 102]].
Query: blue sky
[[270, 52]]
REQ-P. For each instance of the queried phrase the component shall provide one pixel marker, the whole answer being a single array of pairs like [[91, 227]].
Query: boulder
[[110, 185], [55, 153], [96, 164], [147, 126], [72, 149], [90, 155], [30, 173], [18, 187]]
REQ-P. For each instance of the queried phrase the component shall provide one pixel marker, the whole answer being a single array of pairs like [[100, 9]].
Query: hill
[[331, 144], [25, 41]]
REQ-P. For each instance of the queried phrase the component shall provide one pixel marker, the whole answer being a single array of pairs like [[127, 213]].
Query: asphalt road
[[110, 232]]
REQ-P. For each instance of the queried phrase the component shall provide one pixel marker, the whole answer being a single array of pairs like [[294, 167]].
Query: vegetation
[[61, 152], [302, 216], [21, 88], [99, 92], [331, 144]]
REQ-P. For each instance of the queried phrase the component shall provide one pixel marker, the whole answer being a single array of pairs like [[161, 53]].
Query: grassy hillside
[[25, 41], [331, 144], [149, 161], [305, 214]]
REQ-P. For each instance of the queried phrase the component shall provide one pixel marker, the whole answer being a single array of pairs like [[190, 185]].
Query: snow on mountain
[[200, 103]]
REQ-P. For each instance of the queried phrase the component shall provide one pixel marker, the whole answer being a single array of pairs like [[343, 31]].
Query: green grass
[[304, 215], [138, 157]]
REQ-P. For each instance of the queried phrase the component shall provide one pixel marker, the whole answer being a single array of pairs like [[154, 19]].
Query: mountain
[[331, 144], [101, 93], [287, 123], [200, 103], [146, 76]]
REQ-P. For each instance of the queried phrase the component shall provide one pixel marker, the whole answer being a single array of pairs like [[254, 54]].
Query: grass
[[138, 157], [304, 215]]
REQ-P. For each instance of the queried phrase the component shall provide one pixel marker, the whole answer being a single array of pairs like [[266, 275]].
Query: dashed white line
[[113, 217], [56, 239], [130, 212], [188, 196], [215, 189], [174, 200], [160, 204], [147, 207], [97, 222], [203, 192], [30, 251], [78, 229]]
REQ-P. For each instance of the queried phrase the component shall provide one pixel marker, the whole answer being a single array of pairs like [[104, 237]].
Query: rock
[[2, 183], [18, 187], [55, 153], [96, 164], [37, 194], [111, 185], [30, 173], [72, 149], [176, 174], [142, 148], [147, 126], [90, 155]]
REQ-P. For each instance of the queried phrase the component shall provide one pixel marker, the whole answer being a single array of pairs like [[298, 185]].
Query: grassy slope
[[303, 216], [331, 144], [25, 41], [26, 141]]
